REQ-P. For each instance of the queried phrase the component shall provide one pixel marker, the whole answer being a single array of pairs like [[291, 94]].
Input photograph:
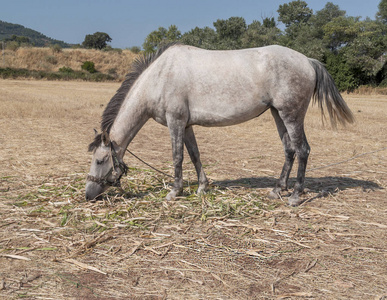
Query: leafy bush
[[56, 48], [110, 48], [13, 45], [342, 74], [66, 70], [63, 74], [383, 83], [89, 67], [135, 49]]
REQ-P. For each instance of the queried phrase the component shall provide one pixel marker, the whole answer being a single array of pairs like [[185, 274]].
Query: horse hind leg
[[282, 183], [295, 129], [302, 152], [193, 151]]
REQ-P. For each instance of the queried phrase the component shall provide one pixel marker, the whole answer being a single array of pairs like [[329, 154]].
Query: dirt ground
[[232, 243]]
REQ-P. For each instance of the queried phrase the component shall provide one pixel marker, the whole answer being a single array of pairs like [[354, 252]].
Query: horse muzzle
[[94, 191]]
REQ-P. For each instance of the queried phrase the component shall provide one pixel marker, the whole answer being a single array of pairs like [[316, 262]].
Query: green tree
[[324, 16], [367, 52], [229, 32], [294, 13], [97, 40], [381, 15], [269, 23], [344, 76], [261, 34], [161, 37], [361, 45], [301, 32], [20, 40], [340, 32], [201, 37], [303, 39]]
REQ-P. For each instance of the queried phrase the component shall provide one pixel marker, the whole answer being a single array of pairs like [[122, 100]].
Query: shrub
[[383, 83], [344, 77], [109, 48], [64, 73], [89, 67], [66, 70], [13, 46], [56, 48], [135, 49]]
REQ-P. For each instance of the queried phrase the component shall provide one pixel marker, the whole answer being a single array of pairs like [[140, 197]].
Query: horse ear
[[105, 138], [95, 132]]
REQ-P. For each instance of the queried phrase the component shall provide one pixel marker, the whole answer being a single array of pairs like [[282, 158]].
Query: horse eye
[[101, 161]]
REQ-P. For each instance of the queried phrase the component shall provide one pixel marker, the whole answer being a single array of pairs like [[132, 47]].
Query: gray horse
[[180, 86]]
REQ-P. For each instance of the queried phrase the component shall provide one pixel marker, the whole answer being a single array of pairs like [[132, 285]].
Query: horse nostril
[[88, 197], [93, 197]]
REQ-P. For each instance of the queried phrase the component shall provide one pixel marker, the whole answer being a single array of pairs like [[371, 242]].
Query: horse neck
[[129, 120]]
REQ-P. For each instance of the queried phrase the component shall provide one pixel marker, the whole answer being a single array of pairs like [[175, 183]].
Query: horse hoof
[[294, 201], [171, 196], [201, 189], [273, 195]]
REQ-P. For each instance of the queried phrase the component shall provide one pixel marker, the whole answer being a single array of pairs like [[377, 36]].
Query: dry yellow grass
[[233, 243], [47, 60]]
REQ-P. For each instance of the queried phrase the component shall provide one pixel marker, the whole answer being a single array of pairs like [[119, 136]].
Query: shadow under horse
[[322, 186]]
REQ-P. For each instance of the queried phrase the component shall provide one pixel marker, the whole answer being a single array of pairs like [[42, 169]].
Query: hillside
[[7, 30], [115, 63]]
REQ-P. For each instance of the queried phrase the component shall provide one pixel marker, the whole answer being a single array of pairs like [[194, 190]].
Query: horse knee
[[290, 154], [303, 152]]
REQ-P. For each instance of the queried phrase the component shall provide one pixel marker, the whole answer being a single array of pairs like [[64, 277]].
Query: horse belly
[[231, 95], [225, 113]]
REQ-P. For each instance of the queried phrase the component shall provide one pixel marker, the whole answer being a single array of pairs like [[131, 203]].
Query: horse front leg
[[177, 137], [193, 151]]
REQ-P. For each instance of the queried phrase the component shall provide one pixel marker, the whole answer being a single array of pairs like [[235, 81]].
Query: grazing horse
[[180, 86]]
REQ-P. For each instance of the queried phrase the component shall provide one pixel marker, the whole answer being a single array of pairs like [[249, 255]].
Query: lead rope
[[347, 160], [310, 170], [145, 163]]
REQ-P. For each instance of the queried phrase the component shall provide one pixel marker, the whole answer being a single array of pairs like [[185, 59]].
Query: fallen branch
[[373, 224], [15, 256], [311, 265], [89, 244], [83, 266]]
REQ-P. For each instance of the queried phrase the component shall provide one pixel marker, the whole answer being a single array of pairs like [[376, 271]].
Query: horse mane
[[139, 65]]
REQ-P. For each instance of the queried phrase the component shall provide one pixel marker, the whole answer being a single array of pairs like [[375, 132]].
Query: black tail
[[327, 93]]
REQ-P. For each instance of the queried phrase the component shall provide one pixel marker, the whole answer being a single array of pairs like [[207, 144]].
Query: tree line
[[354, 50]]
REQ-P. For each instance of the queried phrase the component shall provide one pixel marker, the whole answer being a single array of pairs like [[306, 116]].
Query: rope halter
[[116, 164]]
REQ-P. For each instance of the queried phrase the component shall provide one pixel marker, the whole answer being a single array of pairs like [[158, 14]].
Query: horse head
[[107, 167]]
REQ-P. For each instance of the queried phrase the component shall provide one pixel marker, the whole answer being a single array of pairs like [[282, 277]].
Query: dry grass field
[[232, 243], [44, 59]]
